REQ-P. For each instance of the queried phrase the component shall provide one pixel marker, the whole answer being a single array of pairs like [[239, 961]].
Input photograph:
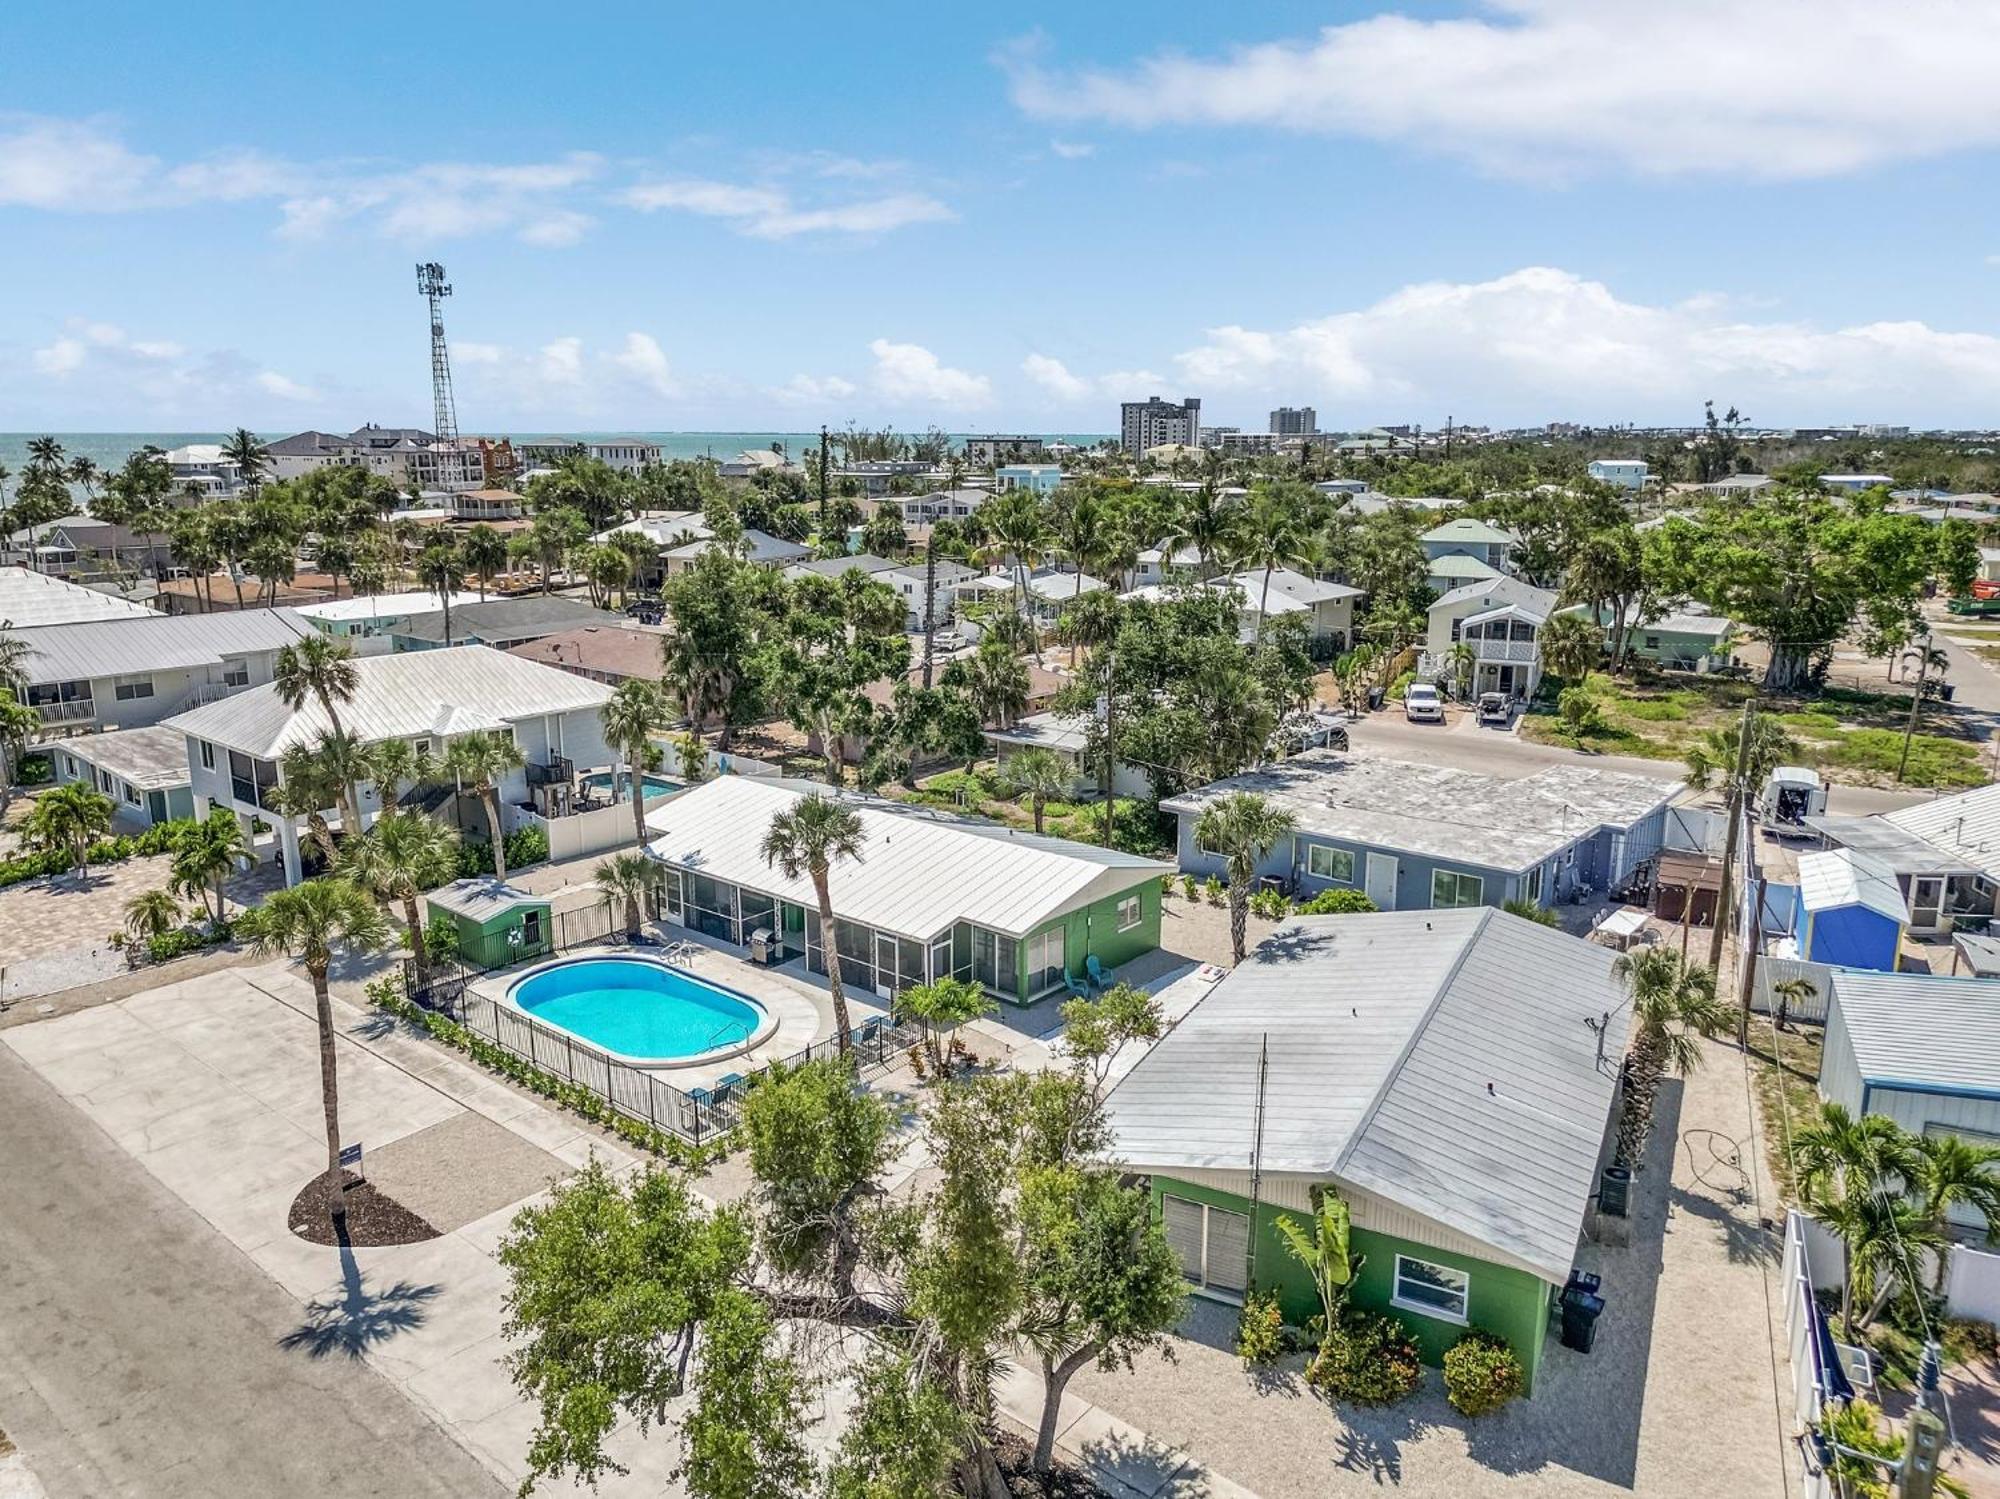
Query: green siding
[[484, 944], [1094, 929], [1501, 1299]]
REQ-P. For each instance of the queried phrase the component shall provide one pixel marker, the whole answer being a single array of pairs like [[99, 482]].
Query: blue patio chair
[[865, 1034], [728, 1084], [1096, 972], [701, 1096], [1078, 987]]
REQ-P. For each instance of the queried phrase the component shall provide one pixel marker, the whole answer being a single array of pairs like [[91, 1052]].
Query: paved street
[[140, 1352]]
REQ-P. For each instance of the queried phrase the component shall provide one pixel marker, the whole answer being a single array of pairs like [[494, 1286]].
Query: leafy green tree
[[204, 855], [1948, 1172], [817, 1146], [741, 1439], [1100, 1282], [1674, 1009], [313, 922], [810, 838], [610, 1285], [1571, 644], [837, 639], [995, 678], [904, 1435], [942, 1005], [152, 913], [721, 612], [1242, 828], [485, 553], [19, 723], [1276, 526]]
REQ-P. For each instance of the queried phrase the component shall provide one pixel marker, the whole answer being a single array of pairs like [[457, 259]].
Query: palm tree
[[629, 718], [307, 786], [151, 913], [1274, 533], [14, 654], [485, 553], [1040, 775], [70, 817], [1880, 1234], [312, 922], [18, 725], [1674, 1008], [813, 835], [1242, 827], [250, 458], [1949, 1172], [1082, 529], [1017, 529], [205, 855], [995, 678], [480, 760], [441, 569], [319, 668], [1570, 645], [1208, 523], [1789, 992], [402, 856], [628, 878], [392, 764]]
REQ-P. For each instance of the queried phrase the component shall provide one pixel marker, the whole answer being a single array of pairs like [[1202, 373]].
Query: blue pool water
[[655, 785], [638, 1008]]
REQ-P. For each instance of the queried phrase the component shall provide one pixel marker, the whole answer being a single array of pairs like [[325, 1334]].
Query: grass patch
[[1934, 761], [1793, 1084]]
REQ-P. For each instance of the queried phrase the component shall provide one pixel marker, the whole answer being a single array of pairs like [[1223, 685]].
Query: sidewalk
[[1123, 1461]]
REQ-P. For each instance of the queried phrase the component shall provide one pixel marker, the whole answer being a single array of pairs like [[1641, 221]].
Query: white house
[[206, 467], [128, 673], [1326, 609], [1855, 483], [366, 621], [1041, 478], [942, 504], [1625, 473], [1468, 537], [235, 746], [1501, 620], [1067, 736]]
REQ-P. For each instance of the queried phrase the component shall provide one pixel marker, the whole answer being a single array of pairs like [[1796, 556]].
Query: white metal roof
[[382, 605], [919, 872], [1795, 775], [1467, 529], [149, 642], [1490, 592], [1967, 824], [1836, 877], [1290, 591], [405, 696], [1441, 812], [30, 598], [482, 896], [1067, 732], [1443, 1060], [1461, 565], [1922, 1032]]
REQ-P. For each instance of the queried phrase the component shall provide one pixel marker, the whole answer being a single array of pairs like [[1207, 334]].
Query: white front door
[[885, 966], [1926, 899], [1381, 880]]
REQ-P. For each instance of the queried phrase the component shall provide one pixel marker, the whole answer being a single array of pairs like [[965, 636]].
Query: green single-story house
[[1450, 1074], [932, 895], [486, 913]]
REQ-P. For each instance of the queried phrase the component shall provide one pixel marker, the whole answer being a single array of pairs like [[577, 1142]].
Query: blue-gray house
[[1851, 912], [1416, 836]]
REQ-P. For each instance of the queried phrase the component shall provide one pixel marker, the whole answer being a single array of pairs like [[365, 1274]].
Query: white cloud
[[1073, 150], [284, 387], [910, 372], [1542, 342], [561, 361], [645, 361], [813, 390], [767, 212], [1775, 89], [62, 358], [557, 230], [1055, 377], [71, 165]]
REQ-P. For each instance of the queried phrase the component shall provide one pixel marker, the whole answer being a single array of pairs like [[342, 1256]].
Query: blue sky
[[1000, 218]]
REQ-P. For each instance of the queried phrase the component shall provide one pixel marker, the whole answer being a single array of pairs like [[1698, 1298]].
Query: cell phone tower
[[431, 282]]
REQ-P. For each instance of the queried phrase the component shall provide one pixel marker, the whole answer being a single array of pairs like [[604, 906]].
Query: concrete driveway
[[210, 1089]]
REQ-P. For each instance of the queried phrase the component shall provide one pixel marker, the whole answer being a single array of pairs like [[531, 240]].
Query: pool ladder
[[681, 953]]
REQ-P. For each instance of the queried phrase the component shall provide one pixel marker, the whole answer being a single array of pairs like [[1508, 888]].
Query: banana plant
[[1327, 1254]]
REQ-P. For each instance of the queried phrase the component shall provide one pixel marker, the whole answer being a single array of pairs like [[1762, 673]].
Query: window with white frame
[[1045, 960], [1449, 888], [207, 755], [1430, 1290], [1533, 892], [235, 672], [1336, 864], [1211, 1243], [128, 688], [1131, 911]]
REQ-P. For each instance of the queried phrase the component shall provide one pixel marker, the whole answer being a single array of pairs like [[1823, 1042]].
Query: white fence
[[1774, 971], [1808, 1248], [1974, 1287]]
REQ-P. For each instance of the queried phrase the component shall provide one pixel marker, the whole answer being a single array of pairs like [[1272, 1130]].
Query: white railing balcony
[[1502, 650], [81, 710], [209, 692]]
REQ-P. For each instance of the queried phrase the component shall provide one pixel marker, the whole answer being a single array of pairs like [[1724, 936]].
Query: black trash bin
[[1948, 691], [1579, 1319]]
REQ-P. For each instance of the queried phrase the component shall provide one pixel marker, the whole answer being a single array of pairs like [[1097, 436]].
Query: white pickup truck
[[1421, 703]]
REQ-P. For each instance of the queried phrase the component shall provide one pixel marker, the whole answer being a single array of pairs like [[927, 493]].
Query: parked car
[[1421, 703], [1495, 707], [948, 640]]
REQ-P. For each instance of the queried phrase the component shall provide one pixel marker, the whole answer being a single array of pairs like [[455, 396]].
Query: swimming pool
[[600, 780], [642, 1010]]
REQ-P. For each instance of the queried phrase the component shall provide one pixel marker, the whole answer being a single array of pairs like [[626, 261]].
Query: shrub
[[1528, 910], [1338, 903], [1578, 711], [441, 939], [34, 770], [1368, 1360], [525, 846], [1215, 890], [1260, 1330], [1481, 1373], [1190, 887], [1270, 904], [184, 940]]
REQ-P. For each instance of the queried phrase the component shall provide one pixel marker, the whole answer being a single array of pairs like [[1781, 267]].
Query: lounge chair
[[1078, 987], [1095, 970]]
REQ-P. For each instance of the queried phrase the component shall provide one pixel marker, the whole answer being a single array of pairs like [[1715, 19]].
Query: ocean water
[[110, 449]]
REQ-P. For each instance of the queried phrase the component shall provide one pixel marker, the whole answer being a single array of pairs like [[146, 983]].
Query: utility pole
[[1753, 942], [1733, 805], [822, 481], [1916, 703], [1256, 1162]]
